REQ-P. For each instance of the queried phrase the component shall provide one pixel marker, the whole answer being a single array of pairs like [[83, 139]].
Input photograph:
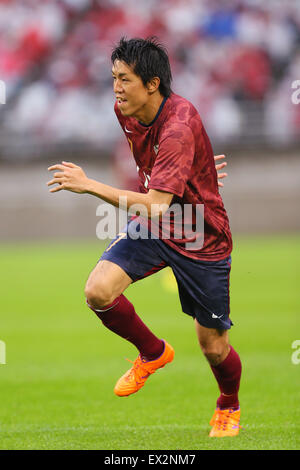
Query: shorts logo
[[216, 316], [155, 149]]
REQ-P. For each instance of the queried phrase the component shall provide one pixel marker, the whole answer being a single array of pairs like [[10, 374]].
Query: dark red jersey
[[174, 154]]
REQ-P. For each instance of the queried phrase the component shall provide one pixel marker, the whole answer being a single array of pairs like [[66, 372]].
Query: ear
[[153, 85]]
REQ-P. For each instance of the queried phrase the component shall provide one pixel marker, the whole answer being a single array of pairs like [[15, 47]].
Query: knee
[[214, 352], [98, 294], [213, 358]]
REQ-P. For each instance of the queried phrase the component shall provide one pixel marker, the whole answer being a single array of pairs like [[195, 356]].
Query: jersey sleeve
[[174, 160]]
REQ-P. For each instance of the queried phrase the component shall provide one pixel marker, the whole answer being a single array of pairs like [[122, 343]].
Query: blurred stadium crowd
[[235, 60]]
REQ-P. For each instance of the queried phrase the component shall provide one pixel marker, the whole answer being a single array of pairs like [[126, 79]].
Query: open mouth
[[121, 100]]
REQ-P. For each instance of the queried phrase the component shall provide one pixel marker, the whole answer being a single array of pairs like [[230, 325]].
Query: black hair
[[148, 58]]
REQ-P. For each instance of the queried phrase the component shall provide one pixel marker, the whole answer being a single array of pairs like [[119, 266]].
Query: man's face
[[132, 95]]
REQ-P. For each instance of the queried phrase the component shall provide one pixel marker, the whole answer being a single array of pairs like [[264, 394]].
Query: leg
[[127, 260], [213, 343], [106, 282], [224, 362], [204, 294], [104, 293]]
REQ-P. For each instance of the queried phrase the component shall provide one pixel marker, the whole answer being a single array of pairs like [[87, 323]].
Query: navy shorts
[[203, 285]]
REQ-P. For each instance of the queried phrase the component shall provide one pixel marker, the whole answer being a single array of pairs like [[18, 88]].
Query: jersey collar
[[157, 114]]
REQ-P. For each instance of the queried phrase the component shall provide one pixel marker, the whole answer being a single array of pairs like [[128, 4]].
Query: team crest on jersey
[[155, 149]]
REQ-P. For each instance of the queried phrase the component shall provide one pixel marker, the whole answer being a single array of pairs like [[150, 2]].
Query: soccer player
[[176, 168]]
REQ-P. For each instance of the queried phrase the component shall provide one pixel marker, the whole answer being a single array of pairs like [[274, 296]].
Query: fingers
[[56, 167], [219, 157], [62, 166], [59, 177], [70, 164], [222, 175], [221, 165], [54, 181], [221, 185], [56, 189]]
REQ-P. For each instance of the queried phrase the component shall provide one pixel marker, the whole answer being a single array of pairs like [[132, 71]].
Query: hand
[[219, 166], [70, 177]]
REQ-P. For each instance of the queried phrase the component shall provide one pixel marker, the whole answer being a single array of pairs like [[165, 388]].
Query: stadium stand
[[235, 60]]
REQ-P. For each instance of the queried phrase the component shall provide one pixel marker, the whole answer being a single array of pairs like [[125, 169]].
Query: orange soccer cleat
[[135, 378], [225, 423]]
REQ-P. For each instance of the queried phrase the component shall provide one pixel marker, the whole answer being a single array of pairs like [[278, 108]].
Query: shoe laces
[[138, 370], [226, 418]]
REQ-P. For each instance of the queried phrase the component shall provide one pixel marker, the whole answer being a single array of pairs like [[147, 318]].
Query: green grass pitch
[[62, 364]]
